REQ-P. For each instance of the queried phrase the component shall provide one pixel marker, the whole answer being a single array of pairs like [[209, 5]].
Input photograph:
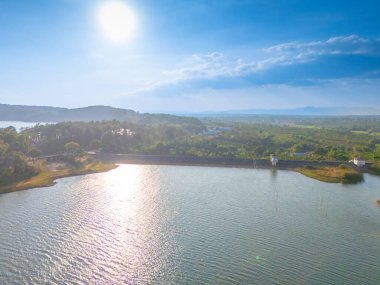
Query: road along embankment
[[210, 161]]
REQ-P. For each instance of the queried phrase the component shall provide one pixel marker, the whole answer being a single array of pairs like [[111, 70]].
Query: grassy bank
[[341, 174], [49, 172]]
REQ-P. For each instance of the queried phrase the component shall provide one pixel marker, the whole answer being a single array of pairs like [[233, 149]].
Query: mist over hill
[[85, 114], [100, 113], [306, 111]]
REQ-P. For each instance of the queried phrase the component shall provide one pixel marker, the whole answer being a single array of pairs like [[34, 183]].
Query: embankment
[[209, 161]]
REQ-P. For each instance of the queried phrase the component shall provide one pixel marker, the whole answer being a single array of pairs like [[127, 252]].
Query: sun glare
[[116, 21]]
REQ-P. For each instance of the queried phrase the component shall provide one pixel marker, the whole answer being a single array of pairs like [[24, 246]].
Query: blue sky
[[192, 55]]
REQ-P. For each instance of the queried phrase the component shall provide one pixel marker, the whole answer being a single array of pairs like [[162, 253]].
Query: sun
[[116, 21]]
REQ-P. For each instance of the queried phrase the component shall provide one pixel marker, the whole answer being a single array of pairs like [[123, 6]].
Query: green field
[[342, 174]]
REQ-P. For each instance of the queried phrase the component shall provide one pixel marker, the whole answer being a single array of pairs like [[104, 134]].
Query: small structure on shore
[[358, 161], [273, 159], [300, 154]]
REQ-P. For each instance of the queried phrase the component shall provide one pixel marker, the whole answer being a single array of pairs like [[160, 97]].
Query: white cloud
[[198, 66], [348, 39], [201, 66], [352, 44], [211, 66], [218, 65]]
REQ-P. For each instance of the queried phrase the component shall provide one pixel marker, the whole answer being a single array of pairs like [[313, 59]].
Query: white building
[[273, 159], [358, 161]]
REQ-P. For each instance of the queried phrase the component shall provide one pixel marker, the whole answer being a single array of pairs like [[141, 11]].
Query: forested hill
[[92, 113]]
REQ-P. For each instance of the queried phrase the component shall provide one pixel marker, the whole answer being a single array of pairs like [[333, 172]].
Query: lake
[[141, 224], [18, 125]]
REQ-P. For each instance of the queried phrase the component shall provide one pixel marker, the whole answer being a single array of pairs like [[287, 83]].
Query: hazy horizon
[[305, 110]]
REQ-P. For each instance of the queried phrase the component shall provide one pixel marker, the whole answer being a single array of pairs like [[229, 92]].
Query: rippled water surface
[[191, 225]]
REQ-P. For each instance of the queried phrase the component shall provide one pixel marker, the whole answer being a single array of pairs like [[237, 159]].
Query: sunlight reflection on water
[[191, 225]]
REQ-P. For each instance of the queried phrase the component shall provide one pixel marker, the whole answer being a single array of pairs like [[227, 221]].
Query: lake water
[[191, 225], [18, 125]]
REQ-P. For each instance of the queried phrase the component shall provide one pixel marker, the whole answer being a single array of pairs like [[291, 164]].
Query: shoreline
[[47, 177], [106, 162], [216, 162], [325, 171]]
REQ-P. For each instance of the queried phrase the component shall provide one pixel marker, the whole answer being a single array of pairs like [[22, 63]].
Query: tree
[[4, 148], [95, 144], [377, 152], [72, 147], [34, 153]]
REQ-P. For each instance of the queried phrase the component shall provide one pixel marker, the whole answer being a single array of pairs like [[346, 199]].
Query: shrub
[[309, 167], [352, 177]]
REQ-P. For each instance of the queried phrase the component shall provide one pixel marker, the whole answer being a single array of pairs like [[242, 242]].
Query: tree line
[[15, 149], [208, 139]]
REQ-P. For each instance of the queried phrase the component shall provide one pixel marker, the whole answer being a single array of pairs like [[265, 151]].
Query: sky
[[190, 56]]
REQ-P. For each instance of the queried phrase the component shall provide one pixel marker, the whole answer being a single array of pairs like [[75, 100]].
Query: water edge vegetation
[[291, 138]]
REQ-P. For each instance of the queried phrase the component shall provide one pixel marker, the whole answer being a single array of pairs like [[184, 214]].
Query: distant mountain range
[[99, 113], [306, 111], [92, 113]]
